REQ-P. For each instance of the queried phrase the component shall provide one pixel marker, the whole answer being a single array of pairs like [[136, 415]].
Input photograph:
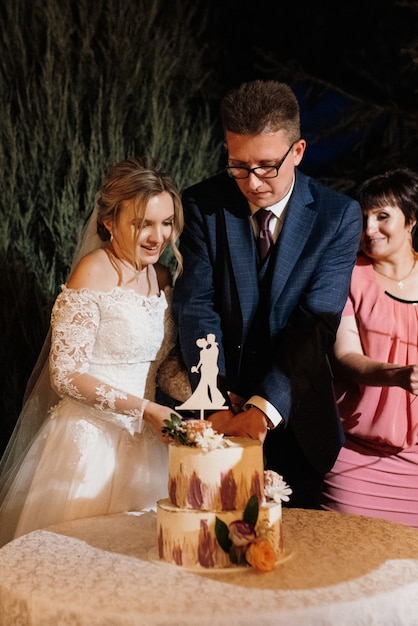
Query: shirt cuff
[[268, 409]]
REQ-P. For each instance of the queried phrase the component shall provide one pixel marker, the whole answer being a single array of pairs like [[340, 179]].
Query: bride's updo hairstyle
[[138, 179]]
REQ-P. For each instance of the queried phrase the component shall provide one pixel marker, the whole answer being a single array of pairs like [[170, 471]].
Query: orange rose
[[261, 555]]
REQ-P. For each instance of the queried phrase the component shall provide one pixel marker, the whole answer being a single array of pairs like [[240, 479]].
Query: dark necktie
[[264, 240]]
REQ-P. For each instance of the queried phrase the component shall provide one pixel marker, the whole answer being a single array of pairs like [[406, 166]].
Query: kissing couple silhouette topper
[[206, 396]]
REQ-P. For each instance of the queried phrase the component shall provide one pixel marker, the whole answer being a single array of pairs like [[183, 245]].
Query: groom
[[270, 285]]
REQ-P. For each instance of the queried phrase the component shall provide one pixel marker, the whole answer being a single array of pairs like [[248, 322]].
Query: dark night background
[[353, 66]]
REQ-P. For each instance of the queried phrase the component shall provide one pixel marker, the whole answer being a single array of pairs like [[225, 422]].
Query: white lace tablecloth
[[341, 570]]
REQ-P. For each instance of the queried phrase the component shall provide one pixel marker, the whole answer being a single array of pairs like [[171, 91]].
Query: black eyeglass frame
[[253, 170]]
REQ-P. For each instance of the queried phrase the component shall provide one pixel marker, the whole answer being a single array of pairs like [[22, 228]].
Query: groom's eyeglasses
[[261, 171]]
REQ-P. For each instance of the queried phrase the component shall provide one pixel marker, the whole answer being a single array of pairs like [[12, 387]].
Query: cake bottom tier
[[187, 537]]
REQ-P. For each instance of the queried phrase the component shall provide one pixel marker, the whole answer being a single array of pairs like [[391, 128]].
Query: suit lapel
[[297, 228]]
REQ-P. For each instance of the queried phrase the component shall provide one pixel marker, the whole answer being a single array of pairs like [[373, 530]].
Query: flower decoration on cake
[[275, 488], [246, 541], [196, 433]]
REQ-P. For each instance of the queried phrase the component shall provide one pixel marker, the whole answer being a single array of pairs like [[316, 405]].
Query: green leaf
[[221, 532], [251, 511]]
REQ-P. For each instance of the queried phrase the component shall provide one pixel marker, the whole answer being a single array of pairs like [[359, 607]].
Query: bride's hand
[[155, 414]]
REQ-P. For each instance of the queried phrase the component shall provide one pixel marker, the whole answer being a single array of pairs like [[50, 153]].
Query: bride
[[100, 450]]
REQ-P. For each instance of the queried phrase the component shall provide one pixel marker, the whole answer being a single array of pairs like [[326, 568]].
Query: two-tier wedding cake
[[223, 509]]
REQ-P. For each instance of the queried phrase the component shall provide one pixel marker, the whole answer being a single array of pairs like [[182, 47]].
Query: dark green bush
[[82, 85]]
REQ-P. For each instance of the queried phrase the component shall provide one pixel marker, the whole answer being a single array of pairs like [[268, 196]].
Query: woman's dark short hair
[[396, 187]]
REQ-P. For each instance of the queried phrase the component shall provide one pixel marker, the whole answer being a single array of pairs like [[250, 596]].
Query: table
[[341, 570]]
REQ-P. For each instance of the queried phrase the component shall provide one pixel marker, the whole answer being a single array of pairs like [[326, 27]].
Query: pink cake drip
[[177, 555], [172, 490], [205, 546], [228, 491], [256, 487], [194, 494], [161, 543]]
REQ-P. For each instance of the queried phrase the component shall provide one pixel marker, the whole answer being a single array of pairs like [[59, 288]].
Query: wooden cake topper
[[206, 396]]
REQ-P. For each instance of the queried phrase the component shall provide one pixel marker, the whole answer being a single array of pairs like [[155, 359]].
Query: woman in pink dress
[[376, 352]]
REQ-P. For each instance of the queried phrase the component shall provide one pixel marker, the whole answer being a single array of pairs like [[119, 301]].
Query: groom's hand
[[250, 423], [220, 421]]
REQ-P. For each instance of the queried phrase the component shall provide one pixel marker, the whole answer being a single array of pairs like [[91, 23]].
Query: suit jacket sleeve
[[194, 299]]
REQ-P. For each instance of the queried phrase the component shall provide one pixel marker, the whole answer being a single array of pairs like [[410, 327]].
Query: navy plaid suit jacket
[[218, 293]]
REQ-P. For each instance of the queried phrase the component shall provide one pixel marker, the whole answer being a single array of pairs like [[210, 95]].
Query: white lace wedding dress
[[92, 455]]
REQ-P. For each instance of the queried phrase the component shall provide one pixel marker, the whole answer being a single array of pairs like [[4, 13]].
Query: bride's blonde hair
[[138, 179]]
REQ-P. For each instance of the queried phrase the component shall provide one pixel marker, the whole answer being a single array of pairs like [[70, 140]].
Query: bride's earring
[[111, 237]]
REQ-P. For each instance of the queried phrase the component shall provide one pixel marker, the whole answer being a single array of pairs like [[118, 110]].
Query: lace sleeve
[[74, 321]]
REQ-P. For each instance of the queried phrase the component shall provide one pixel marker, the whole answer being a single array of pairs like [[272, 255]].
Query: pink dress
[[376, 473]]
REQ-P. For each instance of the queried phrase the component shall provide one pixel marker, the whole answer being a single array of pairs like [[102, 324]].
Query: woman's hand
[[155, 414], [408, 378]]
